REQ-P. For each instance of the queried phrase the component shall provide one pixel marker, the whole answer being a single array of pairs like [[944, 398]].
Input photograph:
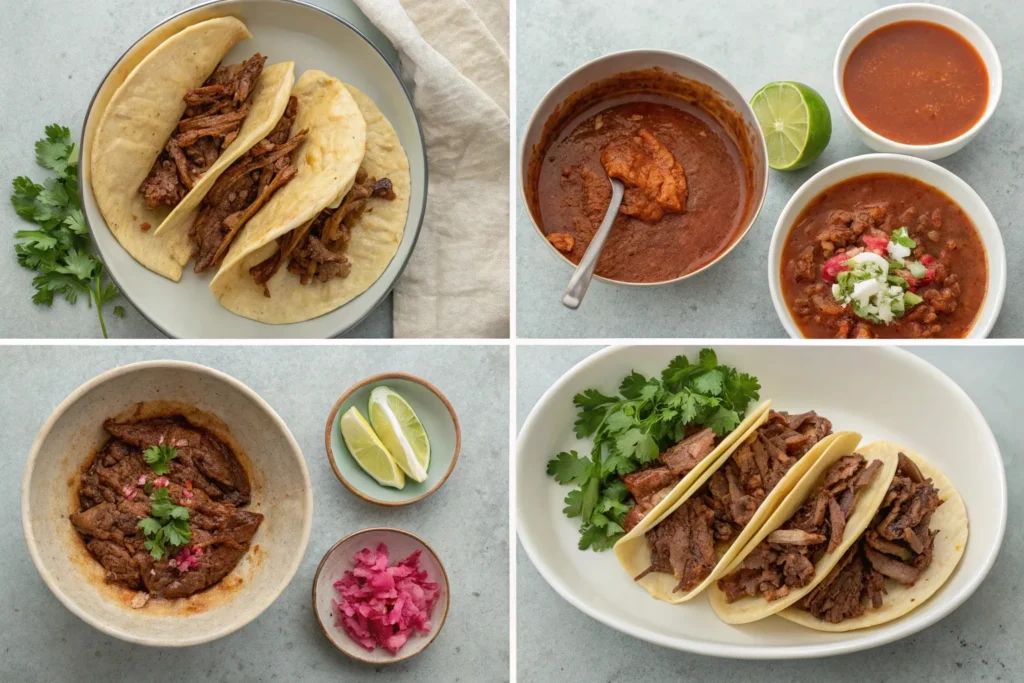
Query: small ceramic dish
[[280, 490], [936, 15], [439, 420], [400, 545], [927, 172]]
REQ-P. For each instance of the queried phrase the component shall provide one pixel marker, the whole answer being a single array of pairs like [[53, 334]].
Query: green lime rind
[[795, 121]]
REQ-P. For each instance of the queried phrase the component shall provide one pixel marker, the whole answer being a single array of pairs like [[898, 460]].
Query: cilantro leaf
[[711, 382], [569, 468], [59, 251], [167, 524], [159, 456]]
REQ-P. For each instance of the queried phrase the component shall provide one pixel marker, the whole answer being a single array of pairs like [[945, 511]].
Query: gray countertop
[[980, 641], [751, 43], [466, 521], [55, 53]]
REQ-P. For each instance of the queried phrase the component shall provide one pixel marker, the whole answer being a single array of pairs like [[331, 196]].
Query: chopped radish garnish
[[835, 265], [876, 243], [161, 482], [129, 491]]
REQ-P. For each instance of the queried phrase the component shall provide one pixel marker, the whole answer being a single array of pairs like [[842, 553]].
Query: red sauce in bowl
[[916, 82]]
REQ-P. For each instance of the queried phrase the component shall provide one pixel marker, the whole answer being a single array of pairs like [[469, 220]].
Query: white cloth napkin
[[454, 54]]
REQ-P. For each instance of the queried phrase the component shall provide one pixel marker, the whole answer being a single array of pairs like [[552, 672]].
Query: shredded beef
[[214, 113], [317, 250], [683, 545], [784, 561], [848, 590]]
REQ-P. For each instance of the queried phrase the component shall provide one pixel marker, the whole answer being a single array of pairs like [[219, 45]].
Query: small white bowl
[[637, 60], [925, 171], [280, 490], [400, 545], [936, 15]]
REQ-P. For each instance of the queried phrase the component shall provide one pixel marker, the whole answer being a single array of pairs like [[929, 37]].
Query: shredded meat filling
[[655, 182], [785, 560], [898, 545], [214, 113], [317, 250], [243, 189]]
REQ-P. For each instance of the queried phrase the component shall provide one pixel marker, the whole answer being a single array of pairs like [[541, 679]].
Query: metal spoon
[[585, 270]]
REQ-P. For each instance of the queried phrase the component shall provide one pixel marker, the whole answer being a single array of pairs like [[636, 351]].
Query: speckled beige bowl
[[280, 490]]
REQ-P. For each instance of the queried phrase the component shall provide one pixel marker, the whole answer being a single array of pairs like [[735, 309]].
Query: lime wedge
[[795, 121], [368, 451], [401, 431]]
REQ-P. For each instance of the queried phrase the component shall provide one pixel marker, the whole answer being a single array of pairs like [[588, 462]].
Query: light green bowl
[[438, 418]]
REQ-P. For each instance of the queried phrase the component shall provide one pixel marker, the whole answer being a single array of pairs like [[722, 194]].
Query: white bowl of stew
[[882, 193], [686, 105], [917, 79]]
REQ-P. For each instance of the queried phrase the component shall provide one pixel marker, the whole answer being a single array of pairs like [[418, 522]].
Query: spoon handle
[[585, 270]]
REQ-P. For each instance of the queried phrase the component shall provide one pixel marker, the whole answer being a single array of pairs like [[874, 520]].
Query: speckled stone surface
[[55, 53], [466, 521], [978, 642], [751, 43]]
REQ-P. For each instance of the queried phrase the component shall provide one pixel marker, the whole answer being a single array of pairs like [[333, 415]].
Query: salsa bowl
[[280, 490], [924, 171], [691, 84], [942, 16]]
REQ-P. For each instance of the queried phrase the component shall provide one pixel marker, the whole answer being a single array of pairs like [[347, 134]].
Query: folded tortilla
[[950, 520], [634, 553], [347, 130], [142, 115], [752, 608]]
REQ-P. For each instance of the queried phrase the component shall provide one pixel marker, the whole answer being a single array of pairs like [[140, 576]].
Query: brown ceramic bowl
[[439, 420], [339, 558]]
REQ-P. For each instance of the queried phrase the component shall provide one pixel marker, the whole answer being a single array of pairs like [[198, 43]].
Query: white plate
[[313, 38], [927, 172], [881, 392]]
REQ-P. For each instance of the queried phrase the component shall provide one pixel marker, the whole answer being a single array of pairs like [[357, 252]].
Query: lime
[[368, 451], [795, 121], [396, 424]]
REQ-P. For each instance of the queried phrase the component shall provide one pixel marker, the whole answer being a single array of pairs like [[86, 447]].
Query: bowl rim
[[385, 529], [995, 72], [379, 378], [994, 248], [86, 187], [761, 652], [79, 393], [534, 121]]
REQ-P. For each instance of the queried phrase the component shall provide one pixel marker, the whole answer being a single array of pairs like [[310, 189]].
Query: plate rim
[[419, 130], [763, 652]]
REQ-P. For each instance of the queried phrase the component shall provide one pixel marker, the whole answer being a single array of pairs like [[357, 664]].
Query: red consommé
[[916, 82]]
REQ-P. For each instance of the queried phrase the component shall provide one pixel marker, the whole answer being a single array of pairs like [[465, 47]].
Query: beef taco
[[328, 235], [688, 542], [909, 550], [797, 547], [176, 123]]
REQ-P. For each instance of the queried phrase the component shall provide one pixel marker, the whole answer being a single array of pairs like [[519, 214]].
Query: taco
[[909, 550], [327, 236], [176, 123], [687, 543], [807, 534]]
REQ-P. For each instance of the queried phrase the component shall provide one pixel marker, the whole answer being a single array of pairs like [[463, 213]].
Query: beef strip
[[678, 461], [317, 250], [848, 590], [214, 112], [683, 545], [784, 561], [112, 503]]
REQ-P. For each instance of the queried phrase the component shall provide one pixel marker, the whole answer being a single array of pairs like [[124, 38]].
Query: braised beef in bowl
[[886, 246], [166, 503], [680, 137]]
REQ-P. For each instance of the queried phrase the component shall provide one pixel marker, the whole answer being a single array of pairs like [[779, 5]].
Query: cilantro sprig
[[631, 429], [59, 249], [158, 457], [167, 524]]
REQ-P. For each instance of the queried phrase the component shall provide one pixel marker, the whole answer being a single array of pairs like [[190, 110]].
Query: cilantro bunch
[[167, 524], [59, 249], [630, 430]]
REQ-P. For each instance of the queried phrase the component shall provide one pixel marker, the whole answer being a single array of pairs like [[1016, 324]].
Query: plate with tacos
[[760, 502], [254, 168]]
